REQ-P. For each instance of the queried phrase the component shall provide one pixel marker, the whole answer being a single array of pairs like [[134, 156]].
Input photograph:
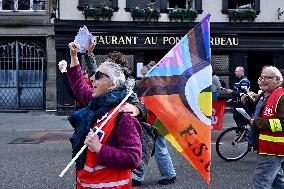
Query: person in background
[[62, 65], [241, 86], [161, 154], [269, 171], [116, 149], [216, 86]]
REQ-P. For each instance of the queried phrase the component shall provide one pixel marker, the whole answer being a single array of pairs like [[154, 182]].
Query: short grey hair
[[241, 68], [276, 73], [117, 76]]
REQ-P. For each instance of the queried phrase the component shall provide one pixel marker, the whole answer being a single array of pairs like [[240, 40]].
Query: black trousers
[[239, 118]]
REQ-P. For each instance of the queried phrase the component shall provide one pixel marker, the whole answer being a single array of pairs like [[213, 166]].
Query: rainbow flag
[[178, 91]]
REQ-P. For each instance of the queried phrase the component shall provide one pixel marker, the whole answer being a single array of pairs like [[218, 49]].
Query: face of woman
[[101, 81]]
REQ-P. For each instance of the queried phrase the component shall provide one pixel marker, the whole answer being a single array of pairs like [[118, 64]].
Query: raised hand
[[74, 47], [91, 48]]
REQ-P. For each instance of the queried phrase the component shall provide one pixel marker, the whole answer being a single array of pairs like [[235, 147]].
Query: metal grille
[[220, 64], [22, 80]]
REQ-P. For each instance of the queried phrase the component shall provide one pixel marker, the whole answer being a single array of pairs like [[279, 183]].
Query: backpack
[[148, 139]]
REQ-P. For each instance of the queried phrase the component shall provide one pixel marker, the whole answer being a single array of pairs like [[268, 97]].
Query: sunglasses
[[99, 75]]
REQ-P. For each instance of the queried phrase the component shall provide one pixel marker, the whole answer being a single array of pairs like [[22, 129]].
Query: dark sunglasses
[[99, 75]]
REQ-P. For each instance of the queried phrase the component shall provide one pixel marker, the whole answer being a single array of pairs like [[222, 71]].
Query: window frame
[[17, 10]]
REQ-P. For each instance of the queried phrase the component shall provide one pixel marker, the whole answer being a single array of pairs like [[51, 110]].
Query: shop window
[[240, 4], [22, 5], [98, 3]]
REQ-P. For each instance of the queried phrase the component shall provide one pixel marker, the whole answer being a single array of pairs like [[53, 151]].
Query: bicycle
[[232, 143]]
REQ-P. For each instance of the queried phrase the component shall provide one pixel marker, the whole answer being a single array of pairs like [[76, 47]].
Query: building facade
[[248, 33], [27, 55]]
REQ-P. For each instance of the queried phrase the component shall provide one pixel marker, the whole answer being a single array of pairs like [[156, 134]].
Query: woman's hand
[[73, 52], [93, 142], [131, 109], [91, 48], [73, 49]]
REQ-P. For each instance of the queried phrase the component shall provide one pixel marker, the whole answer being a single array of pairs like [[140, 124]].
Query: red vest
[[272, 143], [98, 176]]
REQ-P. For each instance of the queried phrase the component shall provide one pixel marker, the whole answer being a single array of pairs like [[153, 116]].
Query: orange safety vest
[[272, 143], [98, 176]]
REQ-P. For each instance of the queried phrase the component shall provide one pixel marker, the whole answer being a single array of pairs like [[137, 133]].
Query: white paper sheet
[[244, 113], [83, 38]]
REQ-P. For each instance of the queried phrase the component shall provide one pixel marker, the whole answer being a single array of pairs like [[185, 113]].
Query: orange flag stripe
[[191, 133]]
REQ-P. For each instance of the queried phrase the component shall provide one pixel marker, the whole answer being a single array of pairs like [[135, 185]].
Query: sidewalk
[[33, 121]]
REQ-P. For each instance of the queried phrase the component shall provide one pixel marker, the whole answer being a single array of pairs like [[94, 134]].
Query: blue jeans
[[215, 96], [269, 172], [252, 134], [163, 160]]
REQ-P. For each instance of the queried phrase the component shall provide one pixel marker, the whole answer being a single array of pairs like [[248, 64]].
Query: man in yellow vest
[[270, 126]]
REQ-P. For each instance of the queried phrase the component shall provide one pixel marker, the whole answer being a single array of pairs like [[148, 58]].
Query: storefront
[[250, 45]]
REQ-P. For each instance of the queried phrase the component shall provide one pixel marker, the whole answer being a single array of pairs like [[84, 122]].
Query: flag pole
[[97, 130]]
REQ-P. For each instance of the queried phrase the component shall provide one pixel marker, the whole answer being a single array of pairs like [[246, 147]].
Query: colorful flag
[[178, 91]]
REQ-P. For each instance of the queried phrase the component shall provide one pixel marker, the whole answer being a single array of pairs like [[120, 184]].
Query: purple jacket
[[123, 148], [82, 91]]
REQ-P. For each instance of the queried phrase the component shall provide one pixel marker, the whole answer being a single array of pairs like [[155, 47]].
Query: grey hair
[[117, 76], [276, 73]]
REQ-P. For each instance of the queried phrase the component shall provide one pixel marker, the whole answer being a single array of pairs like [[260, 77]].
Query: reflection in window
[[183, 4], [7, 5], [39, 4], [240, 4], [22, 5]]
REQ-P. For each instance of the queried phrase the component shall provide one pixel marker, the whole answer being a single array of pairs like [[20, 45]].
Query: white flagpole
[[101, 126]]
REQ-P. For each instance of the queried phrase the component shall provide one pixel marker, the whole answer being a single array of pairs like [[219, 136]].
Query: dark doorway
[[154, 55], [256, 60]]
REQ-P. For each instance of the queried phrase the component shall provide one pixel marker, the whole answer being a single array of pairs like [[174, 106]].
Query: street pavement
[[34, 149]]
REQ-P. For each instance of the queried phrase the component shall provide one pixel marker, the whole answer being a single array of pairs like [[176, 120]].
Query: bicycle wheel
[[232, 144]]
